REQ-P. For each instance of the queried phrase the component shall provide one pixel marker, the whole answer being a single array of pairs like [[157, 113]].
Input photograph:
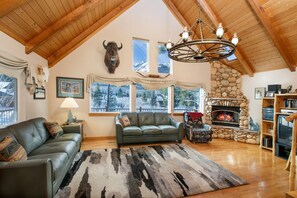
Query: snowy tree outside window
[[110, 98], [188, 100], [164, 63], [8, 100], [151, 100], [140, 55]]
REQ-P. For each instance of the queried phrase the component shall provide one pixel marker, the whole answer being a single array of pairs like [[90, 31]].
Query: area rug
[[173, 170]]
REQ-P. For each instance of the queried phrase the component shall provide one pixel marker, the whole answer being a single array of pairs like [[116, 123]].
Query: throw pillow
[[11, 150], [125, 121], [54, 129]]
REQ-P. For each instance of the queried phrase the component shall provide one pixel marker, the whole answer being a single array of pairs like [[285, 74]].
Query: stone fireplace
[[226, 107]]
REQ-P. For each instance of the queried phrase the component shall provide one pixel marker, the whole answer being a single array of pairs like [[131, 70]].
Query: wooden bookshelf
[[267, 125]]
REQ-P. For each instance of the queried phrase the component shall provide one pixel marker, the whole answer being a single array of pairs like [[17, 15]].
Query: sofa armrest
[[72, 128], [179, 126], [30, 178], [119, 131]]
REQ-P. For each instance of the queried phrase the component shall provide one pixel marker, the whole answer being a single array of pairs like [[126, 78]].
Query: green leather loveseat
[[148, 127], [47, 164]]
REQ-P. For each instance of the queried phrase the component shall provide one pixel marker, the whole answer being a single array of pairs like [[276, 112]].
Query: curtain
[[147, 83], [9, 61]]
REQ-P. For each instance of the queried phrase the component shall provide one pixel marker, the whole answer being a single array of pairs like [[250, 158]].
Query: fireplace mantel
[[239, 99]]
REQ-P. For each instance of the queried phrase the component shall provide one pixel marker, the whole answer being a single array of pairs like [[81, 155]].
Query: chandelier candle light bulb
[[220, 31], [185, 34], [234, 39]]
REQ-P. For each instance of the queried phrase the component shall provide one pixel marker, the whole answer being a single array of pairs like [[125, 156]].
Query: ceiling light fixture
[[200, 49]]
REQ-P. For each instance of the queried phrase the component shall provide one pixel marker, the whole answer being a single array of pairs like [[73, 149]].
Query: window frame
[[148, 53], [94, 113], [16, 98], [168, 99], [170, 60], [201, 100]]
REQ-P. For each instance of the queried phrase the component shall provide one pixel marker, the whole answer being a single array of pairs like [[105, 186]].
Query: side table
[[76, 127]]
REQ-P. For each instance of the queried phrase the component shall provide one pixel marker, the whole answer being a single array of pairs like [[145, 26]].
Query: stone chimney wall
[[226, 91]]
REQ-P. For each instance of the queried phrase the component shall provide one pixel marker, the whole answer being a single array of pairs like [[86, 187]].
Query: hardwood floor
[[264, 172]]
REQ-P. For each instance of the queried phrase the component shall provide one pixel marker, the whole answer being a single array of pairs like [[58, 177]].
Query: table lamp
[[69, 103]]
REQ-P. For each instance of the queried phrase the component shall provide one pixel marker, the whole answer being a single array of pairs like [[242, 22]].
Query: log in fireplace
[[225, 115]]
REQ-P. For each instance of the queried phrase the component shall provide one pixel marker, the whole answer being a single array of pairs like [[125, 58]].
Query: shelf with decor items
[[282, 102], [267, 132]]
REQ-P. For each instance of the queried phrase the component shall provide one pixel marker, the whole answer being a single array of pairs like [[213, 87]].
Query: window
[[109, 98], [8, 100], [140, 55], [164, 63], [151, 100], [232, 57], [188, 100]]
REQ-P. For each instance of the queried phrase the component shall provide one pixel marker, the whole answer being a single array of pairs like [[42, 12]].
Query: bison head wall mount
[[112, 59]]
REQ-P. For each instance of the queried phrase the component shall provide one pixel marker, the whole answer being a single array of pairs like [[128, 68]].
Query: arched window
[[8, 100]]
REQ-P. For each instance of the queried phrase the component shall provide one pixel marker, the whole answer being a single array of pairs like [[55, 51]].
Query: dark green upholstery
[[146, 118], [133, 117], [48, 160], [150, 127]]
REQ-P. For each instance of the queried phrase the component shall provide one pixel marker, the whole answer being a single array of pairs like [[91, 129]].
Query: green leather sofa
[[148, 127], [48, 160]]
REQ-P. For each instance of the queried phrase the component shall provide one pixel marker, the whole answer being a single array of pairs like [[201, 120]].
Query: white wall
[[147, 19], [282, 76], [27, 106]]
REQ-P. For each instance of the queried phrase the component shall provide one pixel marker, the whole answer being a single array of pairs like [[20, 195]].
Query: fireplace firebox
[[225, 115]]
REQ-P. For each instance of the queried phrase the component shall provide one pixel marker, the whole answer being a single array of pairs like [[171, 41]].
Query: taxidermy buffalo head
[[111, 59]]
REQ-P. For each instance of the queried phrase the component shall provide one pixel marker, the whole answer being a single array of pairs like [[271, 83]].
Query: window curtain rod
[[12, 62], [149, 84]]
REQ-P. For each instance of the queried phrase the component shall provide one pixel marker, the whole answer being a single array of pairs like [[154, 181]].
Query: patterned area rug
[[173, 170]]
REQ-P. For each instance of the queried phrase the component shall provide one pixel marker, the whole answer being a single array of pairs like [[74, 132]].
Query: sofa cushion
[[168, 129], [58, 160], [54, 129], [67, 137], [162, 119], [27, 135], [132, 130], [146, 118], [11, 150], [133, 117], [150, 129], [39, 124], [67, 147], [125, 121]]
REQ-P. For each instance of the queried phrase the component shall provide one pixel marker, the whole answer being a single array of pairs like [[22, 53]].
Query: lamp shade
[[69, 103]]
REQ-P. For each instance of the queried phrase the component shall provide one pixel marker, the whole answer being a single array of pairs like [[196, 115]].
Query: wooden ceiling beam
[[6, 6], [184, 22], [35, 42], [238, 53], [276, 39], [85, 35]]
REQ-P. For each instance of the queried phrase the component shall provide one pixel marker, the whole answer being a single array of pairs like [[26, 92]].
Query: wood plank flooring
[[264, 172]]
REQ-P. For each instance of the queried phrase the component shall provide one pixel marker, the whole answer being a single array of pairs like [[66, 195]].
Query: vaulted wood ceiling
[[54, 28]]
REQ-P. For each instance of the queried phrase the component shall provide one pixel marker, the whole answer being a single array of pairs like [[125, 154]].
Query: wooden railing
[[7, 116], [292, 159]]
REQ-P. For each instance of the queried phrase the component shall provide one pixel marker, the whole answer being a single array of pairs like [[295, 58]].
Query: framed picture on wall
[[259, 92], [39, 93], [70, 87]]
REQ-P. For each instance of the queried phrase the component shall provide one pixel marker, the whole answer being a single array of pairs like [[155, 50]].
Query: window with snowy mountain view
[[164, 63], [151, 100], [8, 100], [140, 55], [110, 98]]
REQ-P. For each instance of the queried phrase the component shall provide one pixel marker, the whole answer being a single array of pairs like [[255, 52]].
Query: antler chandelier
[[199, 48]]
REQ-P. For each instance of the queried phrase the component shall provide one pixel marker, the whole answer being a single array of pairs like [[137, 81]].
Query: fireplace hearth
[[225, 115]]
